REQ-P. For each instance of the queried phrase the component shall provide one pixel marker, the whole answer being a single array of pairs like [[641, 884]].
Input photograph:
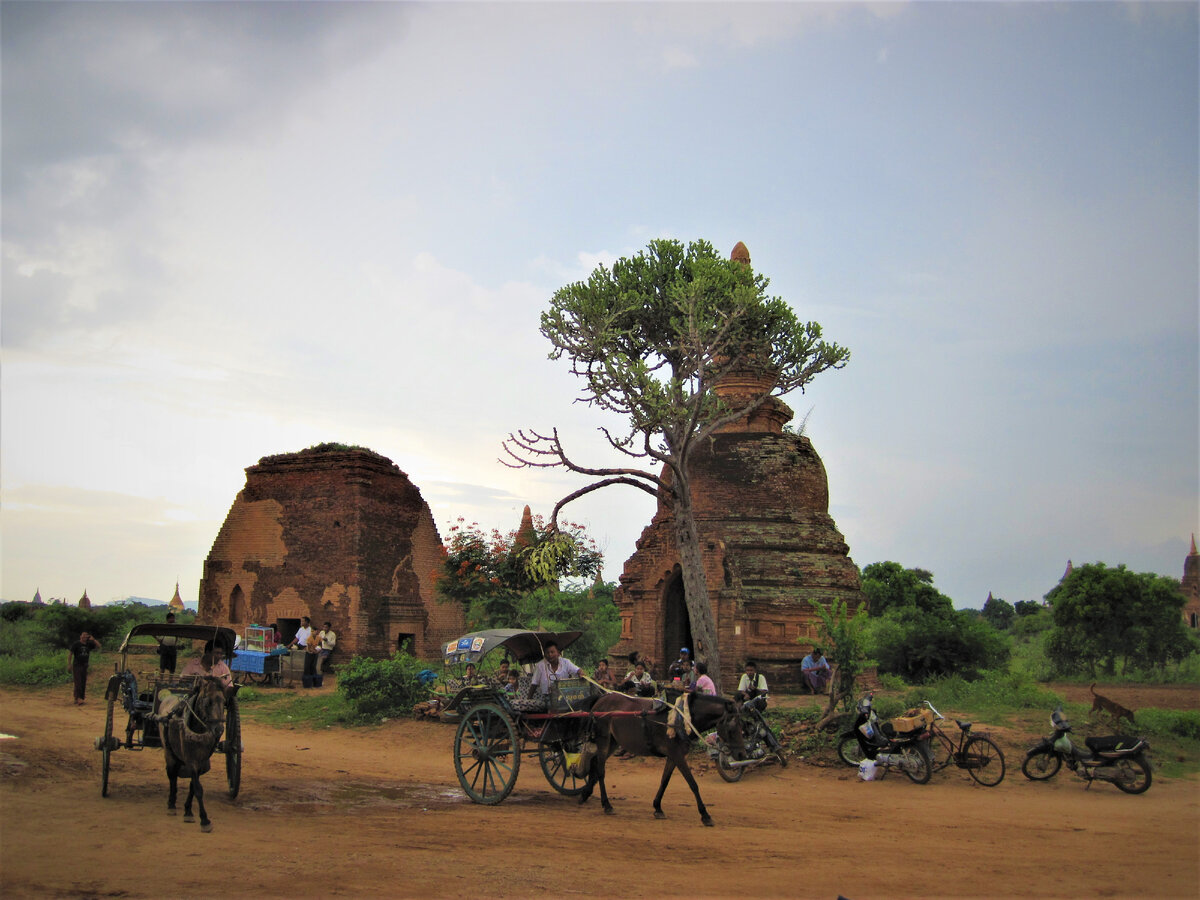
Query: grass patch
[[994, 693], [310, 711], [45, 668]]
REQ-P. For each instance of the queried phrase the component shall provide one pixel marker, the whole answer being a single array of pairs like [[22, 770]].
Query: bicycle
[[977, 753]]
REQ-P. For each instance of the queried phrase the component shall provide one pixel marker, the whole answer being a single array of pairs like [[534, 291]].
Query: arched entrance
[[677, 625], [237, 606]]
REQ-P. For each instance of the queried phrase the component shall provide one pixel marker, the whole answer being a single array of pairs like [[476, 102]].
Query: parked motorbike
[[762, 746], [1118, 758], [905, 748]]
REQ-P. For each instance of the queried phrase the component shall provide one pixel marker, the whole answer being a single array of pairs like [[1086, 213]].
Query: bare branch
[[595, 486]]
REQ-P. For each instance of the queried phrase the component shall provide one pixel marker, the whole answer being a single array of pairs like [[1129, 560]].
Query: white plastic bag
[[866, 770]]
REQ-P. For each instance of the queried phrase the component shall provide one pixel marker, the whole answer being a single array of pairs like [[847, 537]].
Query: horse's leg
[[187, 804], [668, 768], [691, 780], [198, 788], [173, 789], [601, 764], [602, 748]]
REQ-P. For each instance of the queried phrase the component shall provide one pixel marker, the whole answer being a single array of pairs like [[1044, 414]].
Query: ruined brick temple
[[761, 498], [339, 535]]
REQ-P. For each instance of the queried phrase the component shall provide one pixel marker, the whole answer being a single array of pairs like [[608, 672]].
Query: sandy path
[[378, 812]]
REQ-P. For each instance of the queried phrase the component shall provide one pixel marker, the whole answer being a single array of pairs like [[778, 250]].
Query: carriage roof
[[219, 635], [524, 646]]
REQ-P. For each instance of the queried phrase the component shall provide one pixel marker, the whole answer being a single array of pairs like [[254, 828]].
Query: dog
[[1112, 707]]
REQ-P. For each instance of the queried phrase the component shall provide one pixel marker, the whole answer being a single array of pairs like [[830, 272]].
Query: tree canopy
[[888, 585], [650, 338], [1109, 617]]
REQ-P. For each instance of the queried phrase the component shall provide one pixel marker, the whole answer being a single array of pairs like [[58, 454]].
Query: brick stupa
[[761, 499], [336, 534]]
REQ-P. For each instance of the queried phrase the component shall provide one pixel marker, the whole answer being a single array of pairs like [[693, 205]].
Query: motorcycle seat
[[1113, 744]]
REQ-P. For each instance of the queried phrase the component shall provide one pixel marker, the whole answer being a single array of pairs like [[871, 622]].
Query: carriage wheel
[[106, 749], [553, 758], [487, 756], [233, 748]]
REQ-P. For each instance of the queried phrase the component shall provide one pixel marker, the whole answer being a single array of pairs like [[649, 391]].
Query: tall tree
[[888, 585], [650, 338], [1104, 616]]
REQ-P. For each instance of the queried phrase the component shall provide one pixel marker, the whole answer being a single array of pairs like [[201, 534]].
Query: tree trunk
[[695, 587]]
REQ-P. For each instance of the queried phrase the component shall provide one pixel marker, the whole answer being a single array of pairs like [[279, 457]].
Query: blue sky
[[232, 230]]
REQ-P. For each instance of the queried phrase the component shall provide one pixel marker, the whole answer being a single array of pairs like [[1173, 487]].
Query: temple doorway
[[677, 626]]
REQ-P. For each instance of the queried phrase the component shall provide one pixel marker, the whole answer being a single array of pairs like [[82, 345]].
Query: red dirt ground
[[378, 812]]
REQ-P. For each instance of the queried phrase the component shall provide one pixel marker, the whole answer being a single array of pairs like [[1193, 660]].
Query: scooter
[[885, 746], [1118, 758], [762, 746]]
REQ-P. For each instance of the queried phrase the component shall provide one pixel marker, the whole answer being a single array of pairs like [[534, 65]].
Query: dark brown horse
[[191, 726], [647, 727]]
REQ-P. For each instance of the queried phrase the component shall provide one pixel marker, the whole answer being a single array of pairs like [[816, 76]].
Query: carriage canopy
[[524, 646], [220, 636]]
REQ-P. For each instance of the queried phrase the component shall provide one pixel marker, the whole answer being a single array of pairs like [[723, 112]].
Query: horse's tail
[[1092, 688]]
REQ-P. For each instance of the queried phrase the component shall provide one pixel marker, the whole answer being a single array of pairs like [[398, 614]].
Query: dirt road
[[378, 812]]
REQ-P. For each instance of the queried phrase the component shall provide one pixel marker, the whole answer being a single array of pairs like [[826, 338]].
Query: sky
[[231, 230]]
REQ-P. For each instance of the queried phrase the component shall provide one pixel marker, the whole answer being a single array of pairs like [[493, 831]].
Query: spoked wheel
[[106, 749], [984, 761], [849, 751], [941, 752], [553, 757], [1133, 775], [487, 756], [726, 770], [1041, 764], [917, 765], [233, 748]]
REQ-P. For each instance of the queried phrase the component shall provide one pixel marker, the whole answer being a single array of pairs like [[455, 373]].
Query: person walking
[[77, 663]]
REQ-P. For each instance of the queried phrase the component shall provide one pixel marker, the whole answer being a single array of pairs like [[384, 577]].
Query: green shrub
[[1183, 723], [377, 688], [993, 691], [46, 668]]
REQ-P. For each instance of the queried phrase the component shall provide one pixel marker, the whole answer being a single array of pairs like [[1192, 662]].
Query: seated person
[[816, 671], [752, 685], [210, 663], [638, 682], [552, 667], [501, 676], [512, 682], [703, 684], [675, 670], [469, 676], [604, 675]]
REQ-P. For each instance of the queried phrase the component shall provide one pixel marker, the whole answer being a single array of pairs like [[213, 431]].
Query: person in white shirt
[[752, 684], [553, 667], [328, 641], [303, 634]]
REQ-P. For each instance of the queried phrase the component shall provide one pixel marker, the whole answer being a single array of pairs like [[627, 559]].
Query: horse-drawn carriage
[[564, 731], [143, 694]]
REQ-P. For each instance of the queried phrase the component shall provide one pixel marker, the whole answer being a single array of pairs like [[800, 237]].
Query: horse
[[191, 726], [646, 727]]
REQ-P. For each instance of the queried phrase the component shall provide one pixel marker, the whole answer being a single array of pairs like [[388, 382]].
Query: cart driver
[[553, 667]]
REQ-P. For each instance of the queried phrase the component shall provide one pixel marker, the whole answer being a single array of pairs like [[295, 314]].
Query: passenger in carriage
[[514, 680], [210, 663], [501, 677], [469, 676], [553, 667]]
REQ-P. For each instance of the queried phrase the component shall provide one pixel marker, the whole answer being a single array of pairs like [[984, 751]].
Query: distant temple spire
[[176, 604], [1194, 553], [525, 531], [84, 602], [1070, 569], [37, 595]]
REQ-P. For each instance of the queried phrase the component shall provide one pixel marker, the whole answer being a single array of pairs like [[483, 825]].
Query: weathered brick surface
[[762, 506], [337, 535]]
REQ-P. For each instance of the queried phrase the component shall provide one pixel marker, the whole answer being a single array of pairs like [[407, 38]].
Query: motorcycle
[[1118, 758], [762, 746], [888, 746]]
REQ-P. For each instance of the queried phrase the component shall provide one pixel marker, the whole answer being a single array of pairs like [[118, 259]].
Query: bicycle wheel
[[1133, 775], [849, 751], [941, 749], [487, 757], [1041, 764], [983, 761], [917, 765], [553, 758], [729, 772]]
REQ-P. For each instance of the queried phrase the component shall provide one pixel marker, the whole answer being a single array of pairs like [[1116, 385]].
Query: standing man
[[302, 634], [328, 641], [77, 663], [168, 649], [553, 667], [816, 671]]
